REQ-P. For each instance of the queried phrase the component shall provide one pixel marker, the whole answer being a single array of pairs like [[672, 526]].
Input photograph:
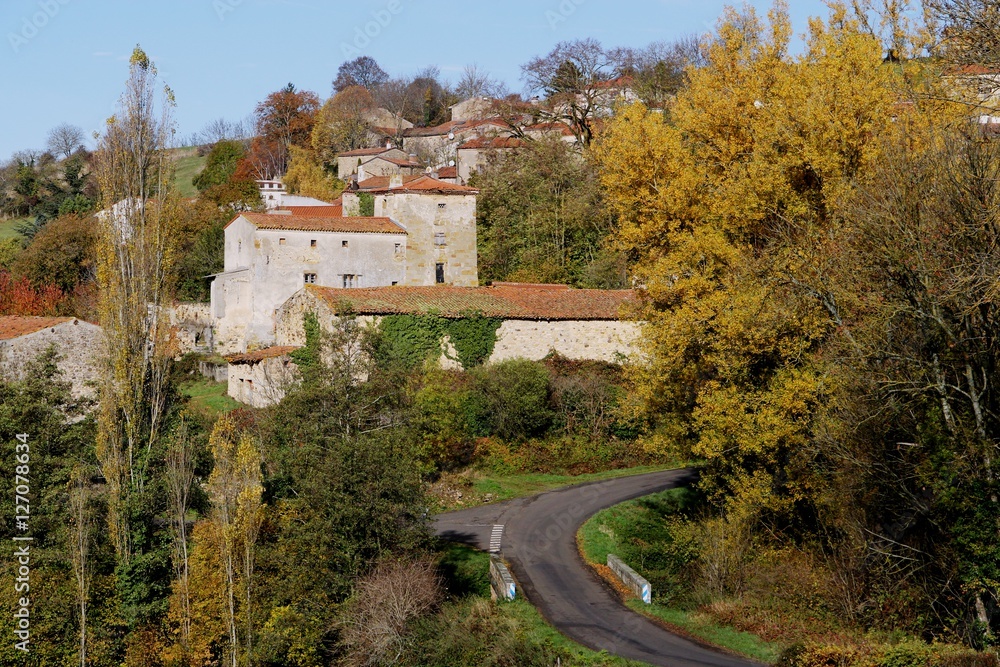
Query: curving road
[[538, 539]]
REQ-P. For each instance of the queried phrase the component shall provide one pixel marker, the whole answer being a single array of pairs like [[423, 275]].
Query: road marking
[[495, 537]]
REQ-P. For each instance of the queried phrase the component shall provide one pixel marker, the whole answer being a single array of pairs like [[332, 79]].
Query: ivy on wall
[[366, 204], [412, 339]]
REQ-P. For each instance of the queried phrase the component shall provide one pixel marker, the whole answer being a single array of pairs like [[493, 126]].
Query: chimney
[[395, 181], [388, 145]]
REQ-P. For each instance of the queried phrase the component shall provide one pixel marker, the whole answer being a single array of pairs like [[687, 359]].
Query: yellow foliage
[[725, 202], [306, 177]]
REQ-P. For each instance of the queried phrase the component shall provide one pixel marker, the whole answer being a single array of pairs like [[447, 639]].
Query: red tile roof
[[448, 172], [322, 224], [972, 70], [509, 301], [399, 162], [336, 211], [15, 327], [361, 152], [380, 185], [260, 355], [486, 143], [561, 128], [435, 131]]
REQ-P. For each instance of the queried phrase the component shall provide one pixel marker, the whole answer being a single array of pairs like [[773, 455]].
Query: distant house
[[78, 343], [475, 153], [272, 192], [349, 162], [388, 166], [269, 257]]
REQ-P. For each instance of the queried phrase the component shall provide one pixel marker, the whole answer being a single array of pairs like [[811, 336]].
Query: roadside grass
[[644, 521], [506, 487], [208, 398], [185, 169], [474, 487], [8, 228]]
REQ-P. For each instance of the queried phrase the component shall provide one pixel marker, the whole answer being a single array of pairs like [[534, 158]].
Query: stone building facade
[[260, 378], [440, 223], [77, 342], [269, 257]]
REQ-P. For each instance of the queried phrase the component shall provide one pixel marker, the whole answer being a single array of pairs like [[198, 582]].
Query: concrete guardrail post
[[501, 581], [631, 579]]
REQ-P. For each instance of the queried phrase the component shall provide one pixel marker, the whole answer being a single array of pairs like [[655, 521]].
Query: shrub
[[514, 397]]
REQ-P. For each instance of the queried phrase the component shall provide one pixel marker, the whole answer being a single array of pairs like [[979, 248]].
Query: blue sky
[[66, 60]]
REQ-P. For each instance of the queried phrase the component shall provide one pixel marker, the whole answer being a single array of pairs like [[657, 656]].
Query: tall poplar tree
[[135, 254]]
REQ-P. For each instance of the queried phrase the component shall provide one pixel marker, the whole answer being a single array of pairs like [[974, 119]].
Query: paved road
[[539, 542]]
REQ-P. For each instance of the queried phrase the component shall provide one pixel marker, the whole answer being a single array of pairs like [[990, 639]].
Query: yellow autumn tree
[[307, 177], [724, 203], [235, 488], [135, 259]]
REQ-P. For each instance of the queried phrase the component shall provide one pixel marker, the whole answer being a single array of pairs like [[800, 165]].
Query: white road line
[[495, 537]]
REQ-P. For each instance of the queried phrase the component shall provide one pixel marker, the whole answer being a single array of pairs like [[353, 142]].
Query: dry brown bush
[[386, 602]]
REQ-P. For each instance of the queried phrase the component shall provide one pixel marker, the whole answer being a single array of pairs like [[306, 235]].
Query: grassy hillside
[[188, 165], [8, 228]]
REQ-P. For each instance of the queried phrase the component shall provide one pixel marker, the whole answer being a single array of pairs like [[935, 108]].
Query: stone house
[[269, 257], [77, 342], [474, 154], [259, 378], [537, 319], [440, 223], [349, 161], [389, 166]]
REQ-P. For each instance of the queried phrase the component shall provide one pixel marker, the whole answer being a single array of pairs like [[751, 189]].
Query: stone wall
[[262, 383], [597, 340], [78, 343], [191, 326]]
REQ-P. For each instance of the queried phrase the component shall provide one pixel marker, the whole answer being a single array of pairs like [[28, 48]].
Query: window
[[399, 248], [439, 273], [442, 205], [281, 241], [350, 280], [310, 279], [439, 239], [312, 243], [395, 282], [343, 244]]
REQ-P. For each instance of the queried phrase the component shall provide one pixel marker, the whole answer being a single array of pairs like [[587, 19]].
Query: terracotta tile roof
[[14, 327], [361, 152], [435, 131], [448, 172], [561, 128], [336, 211], [380, 185], [260, 355], [972, 70], [399, 162], [322, 224], [473, 124], [485, 143], [509, 301]]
